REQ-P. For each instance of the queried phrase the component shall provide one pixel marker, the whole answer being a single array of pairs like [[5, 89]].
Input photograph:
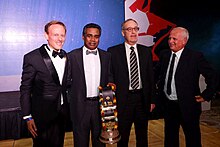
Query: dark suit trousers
[[173, 119], [53, 135], [134, 112], [91, 121]]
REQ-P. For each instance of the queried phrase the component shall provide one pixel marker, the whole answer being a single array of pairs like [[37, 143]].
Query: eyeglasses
[[130, 29]]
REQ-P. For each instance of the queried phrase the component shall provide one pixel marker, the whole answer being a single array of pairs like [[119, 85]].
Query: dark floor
[[212, 117]]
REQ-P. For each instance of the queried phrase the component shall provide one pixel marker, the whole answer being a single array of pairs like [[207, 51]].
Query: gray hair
[[185, 31], [130, 19]]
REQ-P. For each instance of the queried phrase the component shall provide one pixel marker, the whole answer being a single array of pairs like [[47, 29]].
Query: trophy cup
[[109, 133]]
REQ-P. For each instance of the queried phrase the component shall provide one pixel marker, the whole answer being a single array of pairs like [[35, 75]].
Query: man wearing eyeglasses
[[132, 69]]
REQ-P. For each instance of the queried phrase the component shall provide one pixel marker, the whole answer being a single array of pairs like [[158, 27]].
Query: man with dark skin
[[90, 68]]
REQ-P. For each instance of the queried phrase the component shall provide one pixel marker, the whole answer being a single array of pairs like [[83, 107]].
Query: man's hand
[[199, 98], [32, 128]]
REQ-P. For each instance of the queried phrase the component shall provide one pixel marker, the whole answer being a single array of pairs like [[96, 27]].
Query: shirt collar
[[178, 53], [85, 48], [50, 49], [128, 46]]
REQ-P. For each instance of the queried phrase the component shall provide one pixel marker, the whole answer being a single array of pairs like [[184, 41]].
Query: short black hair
[[91, 25]]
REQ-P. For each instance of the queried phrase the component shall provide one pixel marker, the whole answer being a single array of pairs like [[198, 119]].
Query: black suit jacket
[[121, 75], [40, 87], [78, 84], [191, 65]]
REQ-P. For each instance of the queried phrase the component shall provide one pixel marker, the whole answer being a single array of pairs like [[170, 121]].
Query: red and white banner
[[153, 29]]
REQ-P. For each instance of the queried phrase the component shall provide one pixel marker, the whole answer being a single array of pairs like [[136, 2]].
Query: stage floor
[[210, 137]]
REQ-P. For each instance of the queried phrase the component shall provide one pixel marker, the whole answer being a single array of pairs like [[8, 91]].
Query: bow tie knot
[[91, 52], [61, 54]]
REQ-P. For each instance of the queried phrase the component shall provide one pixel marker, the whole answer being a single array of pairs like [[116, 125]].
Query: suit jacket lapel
[[79, 59], [65, 70], [103, 65], [141, 62], [182, 64], [165, 63], [122, 54], [48, 62], [167, 59]]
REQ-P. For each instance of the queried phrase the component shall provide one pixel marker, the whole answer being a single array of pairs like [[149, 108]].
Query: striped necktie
[[134, 69]]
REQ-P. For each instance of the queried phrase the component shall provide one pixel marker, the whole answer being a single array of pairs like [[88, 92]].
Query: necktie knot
[[132, 48], [91, 52], [61, 54]]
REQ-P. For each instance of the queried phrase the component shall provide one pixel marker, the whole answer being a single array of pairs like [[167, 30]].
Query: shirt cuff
[[26, 117]]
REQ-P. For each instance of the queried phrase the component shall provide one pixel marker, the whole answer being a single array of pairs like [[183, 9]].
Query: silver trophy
[[109, 133]]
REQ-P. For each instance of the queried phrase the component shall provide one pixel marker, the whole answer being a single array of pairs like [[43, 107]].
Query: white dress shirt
[[173, 95], [92, 70], [128, 50]]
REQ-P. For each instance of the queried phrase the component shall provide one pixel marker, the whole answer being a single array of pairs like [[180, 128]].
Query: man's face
[[177, 40], [130, 32], [56, 36], [91, 38]]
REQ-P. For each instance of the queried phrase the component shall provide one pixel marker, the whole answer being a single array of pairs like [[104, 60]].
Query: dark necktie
[[91, 52], [170, 75], [134, 69], [61, 54]]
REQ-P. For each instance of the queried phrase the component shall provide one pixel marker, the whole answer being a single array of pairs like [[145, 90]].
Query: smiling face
[[130, 32], [91, 38], [177, 39], [56, 36]]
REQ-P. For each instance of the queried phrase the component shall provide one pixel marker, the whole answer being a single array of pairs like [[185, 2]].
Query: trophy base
[[110, 137]]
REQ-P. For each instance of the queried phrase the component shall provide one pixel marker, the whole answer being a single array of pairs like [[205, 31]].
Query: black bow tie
[[61, 54], [91, 52]]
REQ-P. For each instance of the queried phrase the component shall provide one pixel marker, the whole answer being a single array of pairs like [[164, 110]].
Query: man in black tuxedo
[[43, 89], [134, 97], [90, 68], [180, 89]]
